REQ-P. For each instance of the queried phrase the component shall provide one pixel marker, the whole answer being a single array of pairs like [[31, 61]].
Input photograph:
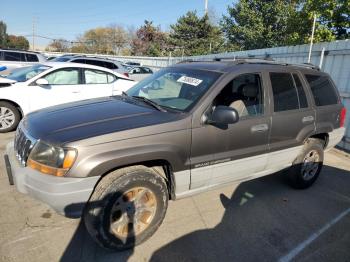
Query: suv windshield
[[176, 88], [25, 73]]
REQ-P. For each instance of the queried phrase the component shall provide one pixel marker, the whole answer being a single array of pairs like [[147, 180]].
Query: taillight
[[342, 117], [126, 74]]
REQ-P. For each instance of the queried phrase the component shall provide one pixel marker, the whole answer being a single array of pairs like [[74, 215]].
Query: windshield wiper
[[150, 102]]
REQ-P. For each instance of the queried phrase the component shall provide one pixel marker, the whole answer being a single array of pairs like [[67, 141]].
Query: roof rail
[[251, 60], [19, 50]]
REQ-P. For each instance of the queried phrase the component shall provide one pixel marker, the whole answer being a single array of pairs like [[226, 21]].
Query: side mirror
[[223, 115], [42, 82]]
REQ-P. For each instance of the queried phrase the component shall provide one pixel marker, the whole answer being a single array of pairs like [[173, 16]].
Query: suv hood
[[90, 118]]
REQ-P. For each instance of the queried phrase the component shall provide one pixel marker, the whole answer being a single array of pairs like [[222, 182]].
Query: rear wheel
[[126, 207], [307, 166], [9, 117]]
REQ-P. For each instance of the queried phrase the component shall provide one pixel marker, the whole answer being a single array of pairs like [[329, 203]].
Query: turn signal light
[[46, 169]]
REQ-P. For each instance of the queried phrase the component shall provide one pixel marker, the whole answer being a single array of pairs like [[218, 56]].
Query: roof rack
[[252, 60]]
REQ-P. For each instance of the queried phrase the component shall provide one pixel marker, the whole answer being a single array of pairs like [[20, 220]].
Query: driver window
[[243, 93], [67, 76]]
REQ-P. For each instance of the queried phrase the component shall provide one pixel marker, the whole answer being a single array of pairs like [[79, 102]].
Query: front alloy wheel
[[9, 117], [133, 212], [127, 207]]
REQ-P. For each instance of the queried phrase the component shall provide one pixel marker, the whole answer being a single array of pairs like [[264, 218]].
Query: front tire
[[126, 207], [307, 166], [9, 117]]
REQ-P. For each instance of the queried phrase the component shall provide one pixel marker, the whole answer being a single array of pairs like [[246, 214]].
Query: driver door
[[222, 154], [64, 86]]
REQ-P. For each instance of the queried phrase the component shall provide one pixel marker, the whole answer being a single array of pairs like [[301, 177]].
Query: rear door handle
[[308, 119], [259, 128]]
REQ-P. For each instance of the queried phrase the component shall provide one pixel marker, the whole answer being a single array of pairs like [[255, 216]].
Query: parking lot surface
[[259, 220]]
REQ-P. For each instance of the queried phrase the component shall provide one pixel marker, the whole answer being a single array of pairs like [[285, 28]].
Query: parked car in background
[[12, 59], [114, 65], [138, 73], [129, 63], [31, 88], [186, 129]]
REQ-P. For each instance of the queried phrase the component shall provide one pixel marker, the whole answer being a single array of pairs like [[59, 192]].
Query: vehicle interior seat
[[247, 104]]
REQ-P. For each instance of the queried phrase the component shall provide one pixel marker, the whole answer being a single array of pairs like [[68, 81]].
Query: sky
[[68, 19]]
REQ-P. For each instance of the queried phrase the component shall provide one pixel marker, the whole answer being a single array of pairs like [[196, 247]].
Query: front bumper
[[65, 195]]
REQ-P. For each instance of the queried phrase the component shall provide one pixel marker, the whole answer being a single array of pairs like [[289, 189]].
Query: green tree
[[149, 40], [3, 34], [17, 42], [253, 24], [333, 20], [194, 35]]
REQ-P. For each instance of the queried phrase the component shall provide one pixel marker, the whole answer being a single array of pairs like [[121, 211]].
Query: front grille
[[23, 145]]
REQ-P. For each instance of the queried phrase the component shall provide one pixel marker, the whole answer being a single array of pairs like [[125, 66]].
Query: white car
[[12, 59], [31, 88]]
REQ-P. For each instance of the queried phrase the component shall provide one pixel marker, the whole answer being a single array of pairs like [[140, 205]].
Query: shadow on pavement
[[82, 247], [264, 219]]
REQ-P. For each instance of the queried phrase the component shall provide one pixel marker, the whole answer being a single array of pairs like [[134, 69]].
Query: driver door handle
[[259, 128]]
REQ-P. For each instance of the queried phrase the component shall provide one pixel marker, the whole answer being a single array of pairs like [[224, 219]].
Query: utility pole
[[312, 39], [206, 7], [33, 36]]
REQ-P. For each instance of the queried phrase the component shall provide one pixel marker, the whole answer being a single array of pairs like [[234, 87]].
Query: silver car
[[96, 61], [11, 59], [138, 73]]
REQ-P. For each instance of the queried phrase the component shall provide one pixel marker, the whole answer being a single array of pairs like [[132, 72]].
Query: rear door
[[293, 117], [97, 83]]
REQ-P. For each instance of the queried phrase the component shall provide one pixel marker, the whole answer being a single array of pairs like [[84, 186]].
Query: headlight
[[51, 160]]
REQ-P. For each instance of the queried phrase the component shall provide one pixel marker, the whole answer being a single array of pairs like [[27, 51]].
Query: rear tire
[[9, 117], [307, 166], [126, 207]]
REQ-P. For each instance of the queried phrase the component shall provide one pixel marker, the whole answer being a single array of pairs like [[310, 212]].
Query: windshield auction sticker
[[189, 80]]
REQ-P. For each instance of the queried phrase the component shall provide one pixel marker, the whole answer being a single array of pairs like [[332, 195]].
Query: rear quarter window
[[322, 89], [31, 58]]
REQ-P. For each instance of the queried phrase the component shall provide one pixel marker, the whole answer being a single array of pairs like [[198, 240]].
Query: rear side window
[[31, 58], [322, 90], [95, 63], [98, 77], [301, 92], [81, 61], [13, 56], [111, 65], [285, 96]]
